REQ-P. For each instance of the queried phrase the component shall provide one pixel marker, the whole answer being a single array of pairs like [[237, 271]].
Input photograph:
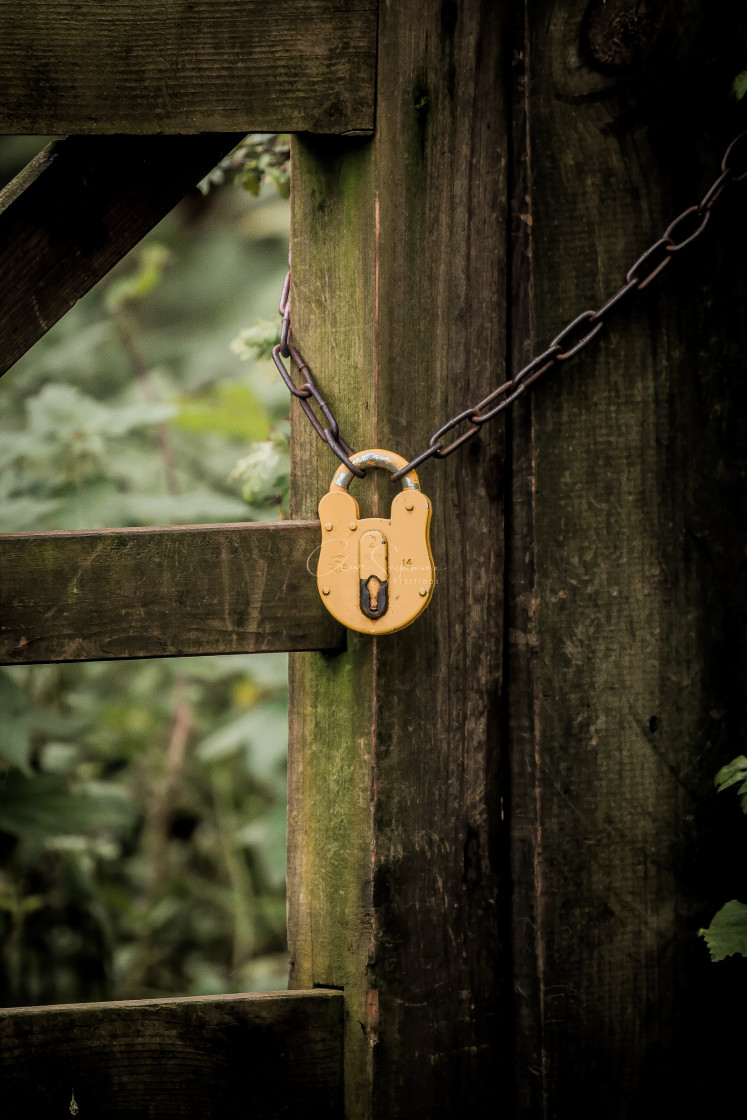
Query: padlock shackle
[[375, 457]]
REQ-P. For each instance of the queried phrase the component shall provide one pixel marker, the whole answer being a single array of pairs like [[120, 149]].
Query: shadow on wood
[[264, 1056]]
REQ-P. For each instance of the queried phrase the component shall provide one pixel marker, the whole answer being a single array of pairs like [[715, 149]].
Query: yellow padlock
[[375, 575]]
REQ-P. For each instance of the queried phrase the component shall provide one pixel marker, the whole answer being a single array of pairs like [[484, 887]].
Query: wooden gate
[[502, 838]]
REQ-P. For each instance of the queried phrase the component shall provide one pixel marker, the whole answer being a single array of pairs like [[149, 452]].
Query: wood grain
[[76, 210], [263, 1055], [187, 66], [126, 593], [396, 856], [627, 609]]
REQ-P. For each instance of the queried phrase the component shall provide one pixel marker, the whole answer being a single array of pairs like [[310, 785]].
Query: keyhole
[[372, 587]]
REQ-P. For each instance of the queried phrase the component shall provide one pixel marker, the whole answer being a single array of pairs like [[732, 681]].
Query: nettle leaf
[[14, 724], [264, 471], [257, 341], [734, 773], [727, 933], [739, 85], [62, 415]]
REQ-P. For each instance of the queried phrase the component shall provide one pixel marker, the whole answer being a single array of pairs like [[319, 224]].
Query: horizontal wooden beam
[[127, 593], [187, 66], [76, 210], [268, 1055]]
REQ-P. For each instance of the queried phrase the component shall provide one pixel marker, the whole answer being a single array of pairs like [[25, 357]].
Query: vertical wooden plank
[[331, 746], [396, 858], [628, 613]]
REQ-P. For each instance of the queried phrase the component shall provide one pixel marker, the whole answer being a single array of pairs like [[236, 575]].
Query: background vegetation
[[142, 804]]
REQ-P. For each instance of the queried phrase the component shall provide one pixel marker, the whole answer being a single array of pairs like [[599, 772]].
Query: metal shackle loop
[[375, 457]]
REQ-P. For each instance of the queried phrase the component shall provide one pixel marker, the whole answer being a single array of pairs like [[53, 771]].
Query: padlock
[[375, 575]]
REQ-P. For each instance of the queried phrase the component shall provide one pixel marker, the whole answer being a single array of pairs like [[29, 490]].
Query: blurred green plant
[[260, 158], [142, 804]]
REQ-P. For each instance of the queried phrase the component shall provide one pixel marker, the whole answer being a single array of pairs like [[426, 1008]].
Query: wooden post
[[562, 977], [397, 865], [627, 606]]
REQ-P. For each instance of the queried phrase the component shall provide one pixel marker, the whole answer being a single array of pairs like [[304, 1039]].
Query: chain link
[[309, 389], [679, 234]]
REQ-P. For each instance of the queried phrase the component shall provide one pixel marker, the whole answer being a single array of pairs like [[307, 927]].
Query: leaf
[[257, 341], [281, 179], [61, 415], [735, 772], [14, 724], [727, 933], [262, 731], [230, 408], [264, 471], [739, 85], [266, 835], [97, 500], [59, 758], [46, 805], [251, 181], [126, 418]]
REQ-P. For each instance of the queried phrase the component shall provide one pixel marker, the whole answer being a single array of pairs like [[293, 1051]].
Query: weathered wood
[[187, 66], [265, 1056], [195, 589], [395, 859], [76, 210], [627, 599]]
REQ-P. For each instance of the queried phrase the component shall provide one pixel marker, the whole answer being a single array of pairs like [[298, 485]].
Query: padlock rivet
[[409, 505], [423, 591], [328, 526], [325, 591], [353, 525]]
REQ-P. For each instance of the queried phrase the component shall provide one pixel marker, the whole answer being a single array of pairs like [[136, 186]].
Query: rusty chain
[[331, 434], [681, 232]]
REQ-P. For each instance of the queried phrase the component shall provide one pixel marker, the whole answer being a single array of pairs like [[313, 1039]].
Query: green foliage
[[739, 85], [727, 933], [260, 158], [266, 470], [153, 819], [257, 341], [142, 804], [229, 408], [734, 773]]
